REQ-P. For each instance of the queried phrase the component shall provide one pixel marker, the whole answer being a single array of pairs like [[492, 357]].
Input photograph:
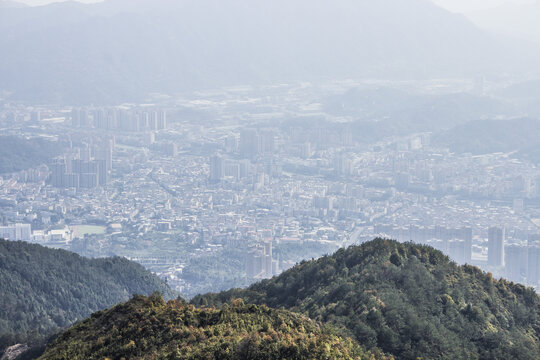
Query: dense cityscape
[[237, 192]]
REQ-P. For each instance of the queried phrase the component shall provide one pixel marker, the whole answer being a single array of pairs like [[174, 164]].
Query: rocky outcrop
[[14, 351]]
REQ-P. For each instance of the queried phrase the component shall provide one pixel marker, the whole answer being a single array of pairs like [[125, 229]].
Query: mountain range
[[123, 50]]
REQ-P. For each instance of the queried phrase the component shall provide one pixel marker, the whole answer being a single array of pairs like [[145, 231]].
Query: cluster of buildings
[[260, 263], [518, 261], [122, 119], [521, 260], [16, 232], [88, 166], [57, 238]]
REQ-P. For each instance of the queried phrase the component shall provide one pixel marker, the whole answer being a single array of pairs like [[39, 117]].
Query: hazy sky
[[471, 5], [43, 2], [453, 5]]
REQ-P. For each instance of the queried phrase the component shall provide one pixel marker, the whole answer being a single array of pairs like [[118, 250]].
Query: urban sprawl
[[229, 186]]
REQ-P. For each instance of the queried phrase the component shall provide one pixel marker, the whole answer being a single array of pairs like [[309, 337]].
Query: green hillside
[[18, 154], [409, 300], [490, 136], [43, 290], [149, 328]]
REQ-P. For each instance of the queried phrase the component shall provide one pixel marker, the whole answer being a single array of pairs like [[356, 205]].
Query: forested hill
[[18, 154], [409, 300], [43, 290], [149, 328]]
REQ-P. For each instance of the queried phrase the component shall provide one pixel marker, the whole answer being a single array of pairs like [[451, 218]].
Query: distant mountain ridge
[[409, 300], [18, 154], [122, 50], [491, 136], [400, 112]]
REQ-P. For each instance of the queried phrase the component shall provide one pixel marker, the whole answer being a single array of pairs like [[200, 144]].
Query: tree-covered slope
[[149, 328], [490, 136], [43, 290], [409, 300], [18, 154]]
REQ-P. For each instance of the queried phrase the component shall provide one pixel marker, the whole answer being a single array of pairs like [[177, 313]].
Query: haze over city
[[220, 143]]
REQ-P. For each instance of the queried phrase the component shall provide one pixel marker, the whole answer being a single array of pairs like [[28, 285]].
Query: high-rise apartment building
[[249, 143], [496, 246], [16, 232], [162, 120], [515, 259], [260, 263], [35, 116], [533, 259], [217, 168]]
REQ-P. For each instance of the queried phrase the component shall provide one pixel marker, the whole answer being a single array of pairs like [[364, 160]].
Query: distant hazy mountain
[[519, 136], [404, 113], [18, 154], [518, 20], [490, 136], [122, 50], [525, 95], [523, 90]]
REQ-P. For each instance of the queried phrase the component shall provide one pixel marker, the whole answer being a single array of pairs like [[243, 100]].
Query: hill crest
[[147, 327], [409, 300], [44, 290]]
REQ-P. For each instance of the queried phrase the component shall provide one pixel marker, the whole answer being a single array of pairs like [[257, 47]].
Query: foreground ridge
[[409, 300], [149, 328], [43, 290]]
